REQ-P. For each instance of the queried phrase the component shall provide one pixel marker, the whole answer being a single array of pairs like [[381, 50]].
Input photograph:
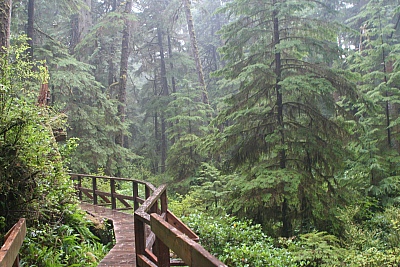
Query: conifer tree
[[281, 127], [5, 22], [195, 50], [376, 60]]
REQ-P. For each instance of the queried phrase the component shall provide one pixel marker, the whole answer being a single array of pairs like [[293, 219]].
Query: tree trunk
[[195, 51], [81, 24], [29, 28], [123, 74], [5, 21], [164, 93], [286, 223], [173, 81], [110, 61], [171, 64], [114, 5]]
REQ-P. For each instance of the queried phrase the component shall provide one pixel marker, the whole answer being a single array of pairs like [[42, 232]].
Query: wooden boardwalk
[[123, 253]]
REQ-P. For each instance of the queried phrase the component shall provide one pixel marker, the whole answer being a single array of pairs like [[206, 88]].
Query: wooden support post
[[113, 199], [79, 187], [135, 195], [164, 204], [162, 251], [94, 188], [140, 238]]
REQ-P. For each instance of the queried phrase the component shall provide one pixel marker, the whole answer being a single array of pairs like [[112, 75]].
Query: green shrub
[[68, 242], [238, 243], [33, 181]]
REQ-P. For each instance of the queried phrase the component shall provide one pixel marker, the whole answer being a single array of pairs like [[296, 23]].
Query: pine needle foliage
[[91, 114], [282, 129], [377, 62]]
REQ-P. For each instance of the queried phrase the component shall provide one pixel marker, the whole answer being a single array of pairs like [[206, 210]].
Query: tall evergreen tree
[[376, 60], [5, 22], [281, 128], [195, 50], [123, 73]]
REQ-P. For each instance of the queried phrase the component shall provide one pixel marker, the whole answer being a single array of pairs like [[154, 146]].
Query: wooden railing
[[157, 230], [92, 188], [13, 242]]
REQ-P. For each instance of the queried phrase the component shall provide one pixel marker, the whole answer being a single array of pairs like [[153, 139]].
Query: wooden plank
[[87, 192], [142, 261], [113, 200], [94, 188], [150, 255], [147, 184], [150, 240], [178, 224], [162, 253], [177, 262], [122, 200], [188, 250], [149, 202], [123, 197], [10, 250], [123, 252]]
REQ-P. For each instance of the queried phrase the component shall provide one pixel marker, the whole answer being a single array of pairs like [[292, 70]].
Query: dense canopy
[[281, 112]]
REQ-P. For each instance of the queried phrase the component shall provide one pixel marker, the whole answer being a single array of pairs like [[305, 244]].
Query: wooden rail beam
[[13, 242], [192, 253]]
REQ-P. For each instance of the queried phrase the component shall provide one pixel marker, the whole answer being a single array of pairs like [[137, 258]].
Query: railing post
[[79, 187], [94, 188], [113, 200], [162, 254], [147, 192], [164, 204], [140, 237], [135, 195]]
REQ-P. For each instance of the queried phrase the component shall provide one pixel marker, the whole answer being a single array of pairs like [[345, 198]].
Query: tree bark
[[5, 22], [123, 74], [30, 28], [195, 51], [81, 24], [165, 93], [173, 81], [286, 222]]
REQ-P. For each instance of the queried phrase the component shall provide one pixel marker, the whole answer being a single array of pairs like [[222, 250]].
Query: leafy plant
[[238, 242], [33, 181], [68, 242]]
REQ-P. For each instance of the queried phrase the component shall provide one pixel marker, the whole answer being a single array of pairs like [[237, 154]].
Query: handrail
[[110, 197], [157, 230], [13, 242], [167, 232]]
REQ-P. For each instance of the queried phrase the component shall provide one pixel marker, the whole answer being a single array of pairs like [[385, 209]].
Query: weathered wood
[[123, 252], [150, 240], [111, 197], [162, 253], [150, 201], [177, 262], [178, 224], [155, 234], [145, 262], [147, 184], [140, 240], [135, 191], [113, 200], [188, 250], [164, 202], [14, 239], [94, 188]]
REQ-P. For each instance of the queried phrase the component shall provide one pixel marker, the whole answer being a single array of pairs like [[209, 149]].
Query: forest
[[274, 123]]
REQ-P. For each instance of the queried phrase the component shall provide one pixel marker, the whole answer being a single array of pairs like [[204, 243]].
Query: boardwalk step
[[123, 252]]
